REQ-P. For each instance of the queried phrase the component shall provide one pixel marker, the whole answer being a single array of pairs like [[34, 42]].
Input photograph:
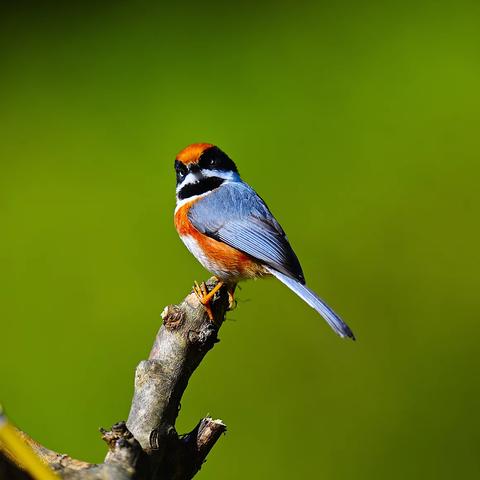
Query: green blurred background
[[359, 125]]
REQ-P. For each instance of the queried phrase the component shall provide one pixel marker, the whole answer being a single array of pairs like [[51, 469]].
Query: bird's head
[[202, 167]]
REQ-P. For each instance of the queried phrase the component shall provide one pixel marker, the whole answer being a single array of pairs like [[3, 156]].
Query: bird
[[227, 226]]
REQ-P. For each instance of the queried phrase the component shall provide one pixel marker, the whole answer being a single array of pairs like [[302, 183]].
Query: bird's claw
[[205, 297]]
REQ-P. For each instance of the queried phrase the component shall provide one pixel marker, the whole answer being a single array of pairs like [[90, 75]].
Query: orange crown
[[192, 153]]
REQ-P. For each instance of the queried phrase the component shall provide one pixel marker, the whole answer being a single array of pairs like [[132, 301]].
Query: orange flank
[[191, 153], [224, 257]]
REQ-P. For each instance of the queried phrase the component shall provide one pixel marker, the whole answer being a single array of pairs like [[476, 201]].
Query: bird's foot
[[205, 297]]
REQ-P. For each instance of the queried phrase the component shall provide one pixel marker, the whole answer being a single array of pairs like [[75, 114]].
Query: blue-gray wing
[[234, 214]]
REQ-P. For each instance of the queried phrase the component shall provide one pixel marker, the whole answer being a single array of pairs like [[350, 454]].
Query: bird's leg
[[213, 291], [201, 293], [205, 297]]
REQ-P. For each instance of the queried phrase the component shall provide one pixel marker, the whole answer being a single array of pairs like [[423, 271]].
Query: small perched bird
[[231, 231]]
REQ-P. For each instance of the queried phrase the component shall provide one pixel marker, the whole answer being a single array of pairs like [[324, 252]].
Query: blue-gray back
[[234, 214]]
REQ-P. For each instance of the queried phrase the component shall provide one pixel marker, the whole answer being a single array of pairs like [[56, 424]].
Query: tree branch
[[147, 446]]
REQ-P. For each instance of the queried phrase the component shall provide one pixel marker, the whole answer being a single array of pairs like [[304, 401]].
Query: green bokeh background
[[357, 122]]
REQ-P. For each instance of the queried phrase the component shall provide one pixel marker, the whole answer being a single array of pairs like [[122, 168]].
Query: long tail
[[316, 303]]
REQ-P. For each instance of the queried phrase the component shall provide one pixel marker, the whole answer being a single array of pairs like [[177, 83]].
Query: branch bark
[[147, 446]]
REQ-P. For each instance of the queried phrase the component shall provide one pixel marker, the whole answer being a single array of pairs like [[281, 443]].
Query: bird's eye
[[180, 168]]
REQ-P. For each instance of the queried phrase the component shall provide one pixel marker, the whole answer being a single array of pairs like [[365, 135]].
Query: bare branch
[[185, 337], [147, 446]]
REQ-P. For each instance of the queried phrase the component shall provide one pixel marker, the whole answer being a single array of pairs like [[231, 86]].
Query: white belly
[[209, 264]]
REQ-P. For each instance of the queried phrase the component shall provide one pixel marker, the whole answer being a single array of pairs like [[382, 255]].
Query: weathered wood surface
[[147, 446]]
